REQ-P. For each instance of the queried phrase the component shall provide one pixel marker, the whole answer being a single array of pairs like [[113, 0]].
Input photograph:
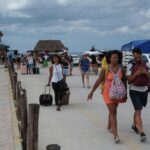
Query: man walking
[[138, 75]]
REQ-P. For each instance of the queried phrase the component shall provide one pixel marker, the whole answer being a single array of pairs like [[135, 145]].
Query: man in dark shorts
[[138, 75]]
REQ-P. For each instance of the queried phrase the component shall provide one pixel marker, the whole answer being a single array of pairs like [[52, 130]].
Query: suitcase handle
[[45, 89]]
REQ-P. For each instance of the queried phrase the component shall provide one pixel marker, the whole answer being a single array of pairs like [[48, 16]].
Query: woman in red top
[[114, 60]]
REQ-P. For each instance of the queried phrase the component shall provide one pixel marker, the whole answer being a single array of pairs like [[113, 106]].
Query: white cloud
[[124, 29], [100, 19], [145, 27], [17, 4], [146, 13], [63, 2], [9, 8]]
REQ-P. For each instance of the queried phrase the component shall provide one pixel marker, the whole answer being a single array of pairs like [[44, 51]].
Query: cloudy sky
[[78, 23]]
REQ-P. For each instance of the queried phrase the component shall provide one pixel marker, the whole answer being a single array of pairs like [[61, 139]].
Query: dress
[[107, 84]]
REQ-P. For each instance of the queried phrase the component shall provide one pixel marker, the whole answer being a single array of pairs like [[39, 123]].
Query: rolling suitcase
[[66, 97], [36, 70], [46, 99]]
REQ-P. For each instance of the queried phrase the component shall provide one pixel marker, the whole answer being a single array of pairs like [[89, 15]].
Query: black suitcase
[[46, 99], [36, 70]]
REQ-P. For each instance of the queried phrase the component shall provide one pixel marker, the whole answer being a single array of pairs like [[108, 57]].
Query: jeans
[[58, 93]]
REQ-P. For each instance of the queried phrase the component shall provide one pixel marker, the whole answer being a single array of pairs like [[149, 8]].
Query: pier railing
[[27, 114]]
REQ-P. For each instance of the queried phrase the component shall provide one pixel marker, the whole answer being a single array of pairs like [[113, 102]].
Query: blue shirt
[[85, 65]]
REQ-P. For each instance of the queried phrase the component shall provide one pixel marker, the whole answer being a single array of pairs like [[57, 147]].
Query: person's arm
[[100, 79], [51, 74], [130, 76], [80, 65], [124, 80], [62, 70], [66, 61]]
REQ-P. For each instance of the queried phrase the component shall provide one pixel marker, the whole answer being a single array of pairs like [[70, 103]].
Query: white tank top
[[57, 73]]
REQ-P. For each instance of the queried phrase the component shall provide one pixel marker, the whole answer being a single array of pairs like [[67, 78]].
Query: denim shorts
[[85, 72], [139, 99], [65, 72]]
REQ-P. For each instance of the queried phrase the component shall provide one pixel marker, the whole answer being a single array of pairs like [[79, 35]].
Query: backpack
[[117, 91], [141, 80]]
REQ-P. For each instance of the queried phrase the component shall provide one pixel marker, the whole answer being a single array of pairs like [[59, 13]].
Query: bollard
[[18, 100], [23, 108], [53, 147], [6, 62], [14, 85], [32, 128]]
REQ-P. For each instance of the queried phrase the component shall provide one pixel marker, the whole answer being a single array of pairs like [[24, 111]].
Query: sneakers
[[135, 129], [117, 140], [88, 87], [143, 137], [58, 108]]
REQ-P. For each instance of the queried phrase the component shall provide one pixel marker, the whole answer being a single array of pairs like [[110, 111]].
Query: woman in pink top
[[114, 60]]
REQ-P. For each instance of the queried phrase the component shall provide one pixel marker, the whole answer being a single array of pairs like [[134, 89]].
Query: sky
[[79, 24]]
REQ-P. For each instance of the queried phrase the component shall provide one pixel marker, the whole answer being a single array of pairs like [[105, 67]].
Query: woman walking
[[107, 78], [56, 75], [84, 66]]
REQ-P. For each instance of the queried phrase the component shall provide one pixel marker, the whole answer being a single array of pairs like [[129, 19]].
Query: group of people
[[113, 78], [26, 60]]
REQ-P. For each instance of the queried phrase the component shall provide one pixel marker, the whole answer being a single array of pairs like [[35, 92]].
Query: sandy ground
[[82, 124]]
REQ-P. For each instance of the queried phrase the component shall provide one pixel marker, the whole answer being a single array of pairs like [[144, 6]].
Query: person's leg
[[113, 118], [96, 67], [60, 97], [139, 100], [109, 123], [65, 72], [138, 121], [83, 83], [70, 68], [31, 69], [65, 77], [27, 69], [55, 88], [134, 95], [87, 80], [138, 110]]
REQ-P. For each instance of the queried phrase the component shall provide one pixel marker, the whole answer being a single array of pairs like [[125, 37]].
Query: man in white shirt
[[138, 75]]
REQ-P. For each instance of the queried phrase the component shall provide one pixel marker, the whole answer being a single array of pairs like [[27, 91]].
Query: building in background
[[48, 46]]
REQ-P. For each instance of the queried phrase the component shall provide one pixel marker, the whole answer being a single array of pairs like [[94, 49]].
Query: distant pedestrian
[[29, 64], [138, 75], [94, 64], [84, 66], [18, 61], [56, 75], [3, 58], [45, 60], [114, 91], [65, 63], [70, 64]]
